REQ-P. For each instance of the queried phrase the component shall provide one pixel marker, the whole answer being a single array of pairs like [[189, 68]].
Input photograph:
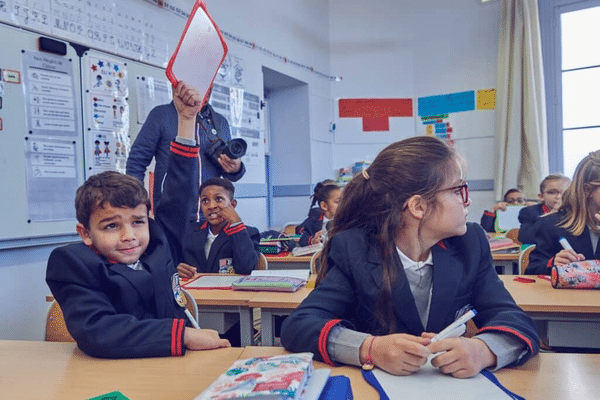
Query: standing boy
[[119, 289], [551, 191], [222, 243]]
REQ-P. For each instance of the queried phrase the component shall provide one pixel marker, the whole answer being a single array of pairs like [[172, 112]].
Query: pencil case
[[577, 275]]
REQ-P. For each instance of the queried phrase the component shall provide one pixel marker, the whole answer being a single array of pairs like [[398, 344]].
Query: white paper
[[285, 273], [212, 281], [429, 383], [509, 219]]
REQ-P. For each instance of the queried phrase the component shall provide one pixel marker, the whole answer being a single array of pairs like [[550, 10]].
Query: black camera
[[233, 149]]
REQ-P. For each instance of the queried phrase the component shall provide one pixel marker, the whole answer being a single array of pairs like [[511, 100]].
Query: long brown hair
[[575, 199], [374, 202]]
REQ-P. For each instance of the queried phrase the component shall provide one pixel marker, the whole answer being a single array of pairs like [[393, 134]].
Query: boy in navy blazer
[[222, 243], [551, 190], [119, 289]]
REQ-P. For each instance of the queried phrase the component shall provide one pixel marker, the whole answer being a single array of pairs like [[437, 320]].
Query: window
[[570, 47]]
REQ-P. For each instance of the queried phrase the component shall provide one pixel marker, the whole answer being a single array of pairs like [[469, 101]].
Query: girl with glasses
[[400, 265], [577, 220]]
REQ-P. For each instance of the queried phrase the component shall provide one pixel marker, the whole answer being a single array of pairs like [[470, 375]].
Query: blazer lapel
[[402, 297], [446, 274]]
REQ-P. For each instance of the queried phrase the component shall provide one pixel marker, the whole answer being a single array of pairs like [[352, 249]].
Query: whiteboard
[[16, 212]]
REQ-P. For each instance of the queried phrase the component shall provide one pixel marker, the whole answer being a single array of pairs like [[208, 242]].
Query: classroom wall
[[412, 49]]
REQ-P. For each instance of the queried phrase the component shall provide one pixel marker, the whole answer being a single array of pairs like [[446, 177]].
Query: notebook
[[268, 283], [282, 377]]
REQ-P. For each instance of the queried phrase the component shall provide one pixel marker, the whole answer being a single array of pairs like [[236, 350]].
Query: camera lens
[[236, 148]]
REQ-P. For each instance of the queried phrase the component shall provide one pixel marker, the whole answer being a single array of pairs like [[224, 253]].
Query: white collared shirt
[[420, 279]]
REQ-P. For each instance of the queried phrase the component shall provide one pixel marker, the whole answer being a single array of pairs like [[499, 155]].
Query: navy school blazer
[[547, 244], [463, 275], [239, 243], [310, 226], [528, 216], [113, 311]]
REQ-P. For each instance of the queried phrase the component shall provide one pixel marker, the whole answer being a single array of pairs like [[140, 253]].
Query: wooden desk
[[221, 302], [275, 303], [51, 370], [546, 376], [289, 262], [566, 317], [506, 261]]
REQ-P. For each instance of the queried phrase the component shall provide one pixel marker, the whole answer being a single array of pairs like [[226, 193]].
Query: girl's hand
[[398, 353], [316, 238], [567, 256], [203, 339], [463, 357], [186, 271]]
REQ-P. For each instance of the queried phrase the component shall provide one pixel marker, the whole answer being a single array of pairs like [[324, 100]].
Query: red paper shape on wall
[[375, 113]]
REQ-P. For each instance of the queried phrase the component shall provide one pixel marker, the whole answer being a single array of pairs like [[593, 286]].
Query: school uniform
[[114, 311], [488, 221], [528, 217], [462, 276], [237, 245], [547, 244], [308, 228]]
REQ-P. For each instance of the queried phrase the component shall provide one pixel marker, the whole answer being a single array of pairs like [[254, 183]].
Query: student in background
[[222, 243], [327, 196], [577, 221], [511, 197], [551, 191], [119, 288], [402, 263]]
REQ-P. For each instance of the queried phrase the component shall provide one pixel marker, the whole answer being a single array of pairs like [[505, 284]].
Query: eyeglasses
[[552, 192], [519, 200], [464, 191]]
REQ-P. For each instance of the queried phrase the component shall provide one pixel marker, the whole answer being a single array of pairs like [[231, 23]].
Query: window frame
[[550, 29]]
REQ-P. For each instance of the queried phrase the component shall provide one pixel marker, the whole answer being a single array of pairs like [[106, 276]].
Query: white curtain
[[520, 122]]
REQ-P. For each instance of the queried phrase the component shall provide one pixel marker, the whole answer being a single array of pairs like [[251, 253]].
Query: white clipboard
[[199, 53]]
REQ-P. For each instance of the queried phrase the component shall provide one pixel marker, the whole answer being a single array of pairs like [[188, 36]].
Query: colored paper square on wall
[[486, 99], [446, 103], [376, 124], [375, 108]]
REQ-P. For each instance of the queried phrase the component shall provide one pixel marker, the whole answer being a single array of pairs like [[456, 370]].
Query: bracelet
[[368, 365]]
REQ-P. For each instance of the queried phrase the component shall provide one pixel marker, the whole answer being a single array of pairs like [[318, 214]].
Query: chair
[[524, 258], [56, 327], [315, 262], [191, 304], [513, 235], [263, 264], [289, 228]]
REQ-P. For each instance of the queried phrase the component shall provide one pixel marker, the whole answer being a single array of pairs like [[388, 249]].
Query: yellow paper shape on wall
[[486, 99]]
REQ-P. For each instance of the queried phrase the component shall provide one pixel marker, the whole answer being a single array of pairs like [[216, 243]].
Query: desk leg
[[246, 327], [267, 327]]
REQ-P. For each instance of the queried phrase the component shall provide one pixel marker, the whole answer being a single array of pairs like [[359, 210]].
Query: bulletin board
[[42, 149]]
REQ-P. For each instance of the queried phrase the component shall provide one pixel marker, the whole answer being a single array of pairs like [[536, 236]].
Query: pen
[[446, 332], [565, 244], [192, 320]]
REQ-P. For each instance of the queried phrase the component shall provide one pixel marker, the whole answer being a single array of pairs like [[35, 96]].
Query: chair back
[[191, 304], [289, 228], [315, 262], [56, 327], [262, 264], [513, 235], [524, 258]]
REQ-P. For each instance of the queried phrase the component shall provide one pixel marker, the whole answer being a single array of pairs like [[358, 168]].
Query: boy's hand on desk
[[203, 339], [186, 271], [398, 354], [567, 256], [187, 101], [462, 357]]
